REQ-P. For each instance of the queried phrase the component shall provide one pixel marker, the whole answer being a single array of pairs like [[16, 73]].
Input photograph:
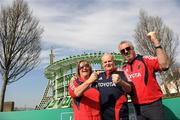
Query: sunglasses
[[81, 66], [125, 51]]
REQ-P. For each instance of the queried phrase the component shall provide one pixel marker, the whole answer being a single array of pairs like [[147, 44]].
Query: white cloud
[[96, 24], [103, 27], [99, 24]]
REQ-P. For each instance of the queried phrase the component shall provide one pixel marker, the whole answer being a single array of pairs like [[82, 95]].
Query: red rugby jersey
[[145, 91], [86, 107]]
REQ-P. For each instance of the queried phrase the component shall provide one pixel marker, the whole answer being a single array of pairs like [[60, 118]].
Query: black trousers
[[152, 111]]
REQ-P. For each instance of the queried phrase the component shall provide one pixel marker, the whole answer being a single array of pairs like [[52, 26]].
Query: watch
[[159, 46]]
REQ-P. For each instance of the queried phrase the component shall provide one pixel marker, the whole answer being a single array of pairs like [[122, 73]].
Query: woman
[[85, 95]]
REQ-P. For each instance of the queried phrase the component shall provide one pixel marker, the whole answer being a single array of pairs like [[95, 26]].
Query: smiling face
[[127, 51], [84, 69], [108, 62]]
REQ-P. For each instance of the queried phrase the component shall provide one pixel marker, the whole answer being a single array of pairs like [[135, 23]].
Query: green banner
[[172, 108], [54, 114]]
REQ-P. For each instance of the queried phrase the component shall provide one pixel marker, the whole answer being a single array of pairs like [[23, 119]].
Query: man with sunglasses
[[146, 94]]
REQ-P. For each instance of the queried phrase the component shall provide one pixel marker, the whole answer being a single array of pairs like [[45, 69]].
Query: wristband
[[158, 47]]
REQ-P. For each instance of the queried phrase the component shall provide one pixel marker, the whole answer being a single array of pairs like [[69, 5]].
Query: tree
[[169, 41], [175, 77], [20, 48]]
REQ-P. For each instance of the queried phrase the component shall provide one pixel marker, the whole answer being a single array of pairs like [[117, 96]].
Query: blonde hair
[[78, 67]]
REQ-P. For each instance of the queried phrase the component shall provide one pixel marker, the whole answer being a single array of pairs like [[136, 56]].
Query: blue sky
[[76, 26]]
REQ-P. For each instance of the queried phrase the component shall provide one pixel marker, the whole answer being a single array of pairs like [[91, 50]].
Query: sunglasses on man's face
[[125, 51]]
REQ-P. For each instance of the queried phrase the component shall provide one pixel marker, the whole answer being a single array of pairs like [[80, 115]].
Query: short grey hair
[[126, 41], [107, 54]]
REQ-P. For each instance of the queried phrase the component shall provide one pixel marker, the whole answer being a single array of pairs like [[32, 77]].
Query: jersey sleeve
[[152, 62], [71, 87], [124, 76]]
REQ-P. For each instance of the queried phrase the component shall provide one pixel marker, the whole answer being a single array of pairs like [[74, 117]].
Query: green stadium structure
[[60, 72]]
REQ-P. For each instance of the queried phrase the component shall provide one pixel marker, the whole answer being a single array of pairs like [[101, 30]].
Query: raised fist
[[153, 38], [116, 78], [93, 77]]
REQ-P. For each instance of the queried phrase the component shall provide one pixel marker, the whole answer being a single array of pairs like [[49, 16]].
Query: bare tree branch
[[166, 37], [20, 48]]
